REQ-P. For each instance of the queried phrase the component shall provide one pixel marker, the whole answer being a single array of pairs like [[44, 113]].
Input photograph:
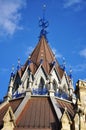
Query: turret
[[70, 83], [9, 94]]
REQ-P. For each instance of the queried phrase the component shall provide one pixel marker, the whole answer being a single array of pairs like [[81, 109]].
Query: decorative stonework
[[9, 120], [81, 85], [66, 121], [76, 120]]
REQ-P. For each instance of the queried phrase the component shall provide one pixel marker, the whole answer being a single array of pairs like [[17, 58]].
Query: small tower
[[18, 66], [70, 83], [9, 94], [81, 102], [81, 92]]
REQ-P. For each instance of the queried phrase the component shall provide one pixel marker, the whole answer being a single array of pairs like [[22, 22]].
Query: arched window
[[64, 88], [42, 83], [41, 89], [55, 85]]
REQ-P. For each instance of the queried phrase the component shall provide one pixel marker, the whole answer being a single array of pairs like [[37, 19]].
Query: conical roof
[[43, 53]]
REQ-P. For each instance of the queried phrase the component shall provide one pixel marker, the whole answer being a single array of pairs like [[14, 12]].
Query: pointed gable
[[9, 120], [66, 121]]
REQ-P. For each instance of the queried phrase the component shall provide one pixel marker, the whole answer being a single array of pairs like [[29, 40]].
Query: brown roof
[[25, 128], [2, 113], [65, 104], [38, 114], [14, 105], [42, 51]]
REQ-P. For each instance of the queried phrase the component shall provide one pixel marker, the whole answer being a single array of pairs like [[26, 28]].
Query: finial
[[70, 73], [44, 9], [53, 63], [43, 24], [29, 62], [12, 72], [18, 61], [18, 67], [64, 64]]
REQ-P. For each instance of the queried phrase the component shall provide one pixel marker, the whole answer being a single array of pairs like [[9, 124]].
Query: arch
[[42, 83], [55, 85], [64, 88]]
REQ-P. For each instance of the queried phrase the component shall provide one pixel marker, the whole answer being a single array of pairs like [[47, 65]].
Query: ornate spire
[[18, 66], [64, 64], [70, 73], [12, 72], [43, 24]]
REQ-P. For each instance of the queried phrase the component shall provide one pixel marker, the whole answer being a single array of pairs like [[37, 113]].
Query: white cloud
[[68, 3], [10, 15], [83, 53], [77, 4], [57, 54]]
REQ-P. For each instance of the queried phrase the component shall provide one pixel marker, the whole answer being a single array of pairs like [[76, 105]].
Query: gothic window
[[41, 90], [42, 83], [55, 85], [64, 88]]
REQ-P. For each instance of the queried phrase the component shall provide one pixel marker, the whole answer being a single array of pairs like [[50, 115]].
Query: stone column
[[9, 94], [29, 89], [51, 91]]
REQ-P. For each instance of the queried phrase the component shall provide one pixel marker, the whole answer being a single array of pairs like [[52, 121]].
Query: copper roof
[[38, 114], [65, 104], [42, 52], [14, 105]]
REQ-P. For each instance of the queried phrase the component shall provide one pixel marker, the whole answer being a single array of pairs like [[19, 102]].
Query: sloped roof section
[[64, 104], [14, 105], [38, 114]]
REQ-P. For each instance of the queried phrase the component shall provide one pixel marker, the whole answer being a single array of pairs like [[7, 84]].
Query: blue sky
[[19, 32]]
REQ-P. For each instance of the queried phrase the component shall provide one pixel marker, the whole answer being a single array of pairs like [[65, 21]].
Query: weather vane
[[43, 23]]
